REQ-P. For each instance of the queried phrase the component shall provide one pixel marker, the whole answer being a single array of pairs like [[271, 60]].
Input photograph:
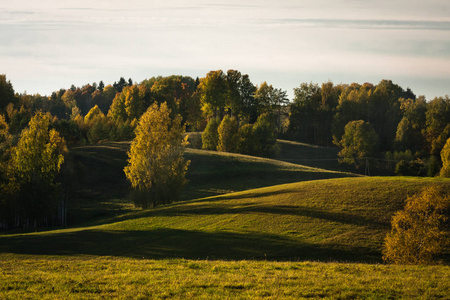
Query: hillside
[[228, 239], [100, 188], [342, 219]]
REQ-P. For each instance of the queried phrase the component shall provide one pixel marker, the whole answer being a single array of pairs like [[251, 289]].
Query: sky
[[47, 45]]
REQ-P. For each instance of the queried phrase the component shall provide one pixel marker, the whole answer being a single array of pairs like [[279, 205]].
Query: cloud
[[363, 24]]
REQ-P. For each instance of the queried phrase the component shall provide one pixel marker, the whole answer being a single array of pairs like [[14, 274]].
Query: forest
[[383, 126]]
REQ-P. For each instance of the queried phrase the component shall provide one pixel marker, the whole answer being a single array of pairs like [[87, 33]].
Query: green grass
[[327, 220], [102, 189], [304, 238], [309, 155], [214, 173], [100, 278]]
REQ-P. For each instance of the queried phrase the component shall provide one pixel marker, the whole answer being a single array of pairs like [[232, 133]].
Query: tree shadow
[[172, 243]]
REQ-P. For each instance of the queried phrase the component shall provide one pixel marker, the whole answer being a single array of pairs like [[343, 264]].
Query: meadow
[[246, 228]]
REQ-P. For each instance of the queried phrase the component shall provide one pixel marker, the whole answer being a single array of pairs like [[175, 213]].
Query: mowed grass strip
[[100, 278], [342, 219]]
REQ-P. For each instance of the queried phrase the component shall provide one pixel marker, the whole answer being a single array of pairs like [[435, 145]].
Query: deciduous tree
[[359, 141], [210, 136], [228, 135], [445, 157], [36, 161], [156, 168]]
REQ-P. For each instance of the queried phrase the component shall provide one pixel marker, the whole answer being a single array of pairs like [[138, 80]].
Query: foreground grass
[[100, 278]]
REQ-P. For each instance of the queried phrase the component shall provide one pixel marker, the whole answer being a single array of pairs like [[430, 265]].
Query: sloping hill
[[310, 155], [102, 189], [342, 219]]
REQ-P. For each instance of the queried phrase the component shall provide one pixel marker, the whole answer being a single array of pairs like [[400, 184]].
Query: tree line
[[36, 131], [383, 122]]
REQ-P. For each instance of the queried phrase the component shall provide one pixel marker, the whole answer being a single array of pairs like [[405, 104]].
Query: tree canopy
[[156, 168]]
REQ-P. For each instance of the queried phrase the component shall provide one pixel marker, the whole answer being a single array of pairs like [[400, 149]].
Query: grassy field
[[229, 238], [100, 278]]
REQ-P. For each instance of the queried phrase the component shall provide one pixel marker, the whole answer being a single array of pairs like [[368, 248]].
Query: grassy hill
[[235, 235], [101, 188], [342, 219]]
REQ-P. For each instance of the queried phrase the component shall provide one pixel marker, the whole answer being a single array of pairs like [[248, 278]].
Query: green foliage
[[417, 236], [213, 91], [194, 140], [445, 157], [265, 135], [5, 136], [156, 168], [437, 129], [312, 112], [228, 135], [247, 140], [210, 136], [358, 142], [178, 93], [409, 130], [6, 93], [410, 168]]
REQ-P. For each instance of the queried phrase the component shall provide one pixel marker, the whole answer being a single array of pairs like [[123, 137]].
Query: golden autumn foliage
[[445, 156], [156, 167], [417, 235], [31, 192]]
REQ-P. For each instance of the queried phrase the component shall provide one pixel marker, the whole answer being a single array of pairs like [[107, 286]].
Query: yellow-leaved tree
[[35, 165], [445, 156], [418, 235], [156, 167]]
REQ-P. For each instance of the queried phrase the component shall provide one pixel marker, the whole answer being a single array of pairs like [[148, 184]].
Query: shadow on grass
[[171, 243]]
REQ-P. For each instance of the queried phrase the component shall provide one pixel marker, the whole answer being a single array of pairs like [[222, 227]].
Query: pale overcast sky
[[48, 45]]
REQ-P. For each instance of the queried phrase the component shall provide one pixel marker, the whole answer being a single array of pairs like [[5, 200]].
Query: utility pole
[[367, 172]]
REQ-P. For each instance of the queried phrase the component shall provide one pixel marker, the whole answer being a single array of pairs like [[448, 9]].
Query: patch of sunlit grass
[[99, 278]]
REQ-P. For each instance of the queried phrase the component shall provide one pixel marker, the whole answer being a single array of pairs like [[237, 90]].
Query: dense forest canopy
[[384, 123]]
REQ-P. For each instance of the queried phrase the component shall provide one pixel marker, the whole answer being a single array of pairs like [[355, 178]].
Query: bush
[[417, 234]]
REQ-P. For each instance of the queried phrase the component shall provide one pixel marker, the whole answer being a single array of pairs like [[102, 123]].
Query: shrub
[[417, 234]]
